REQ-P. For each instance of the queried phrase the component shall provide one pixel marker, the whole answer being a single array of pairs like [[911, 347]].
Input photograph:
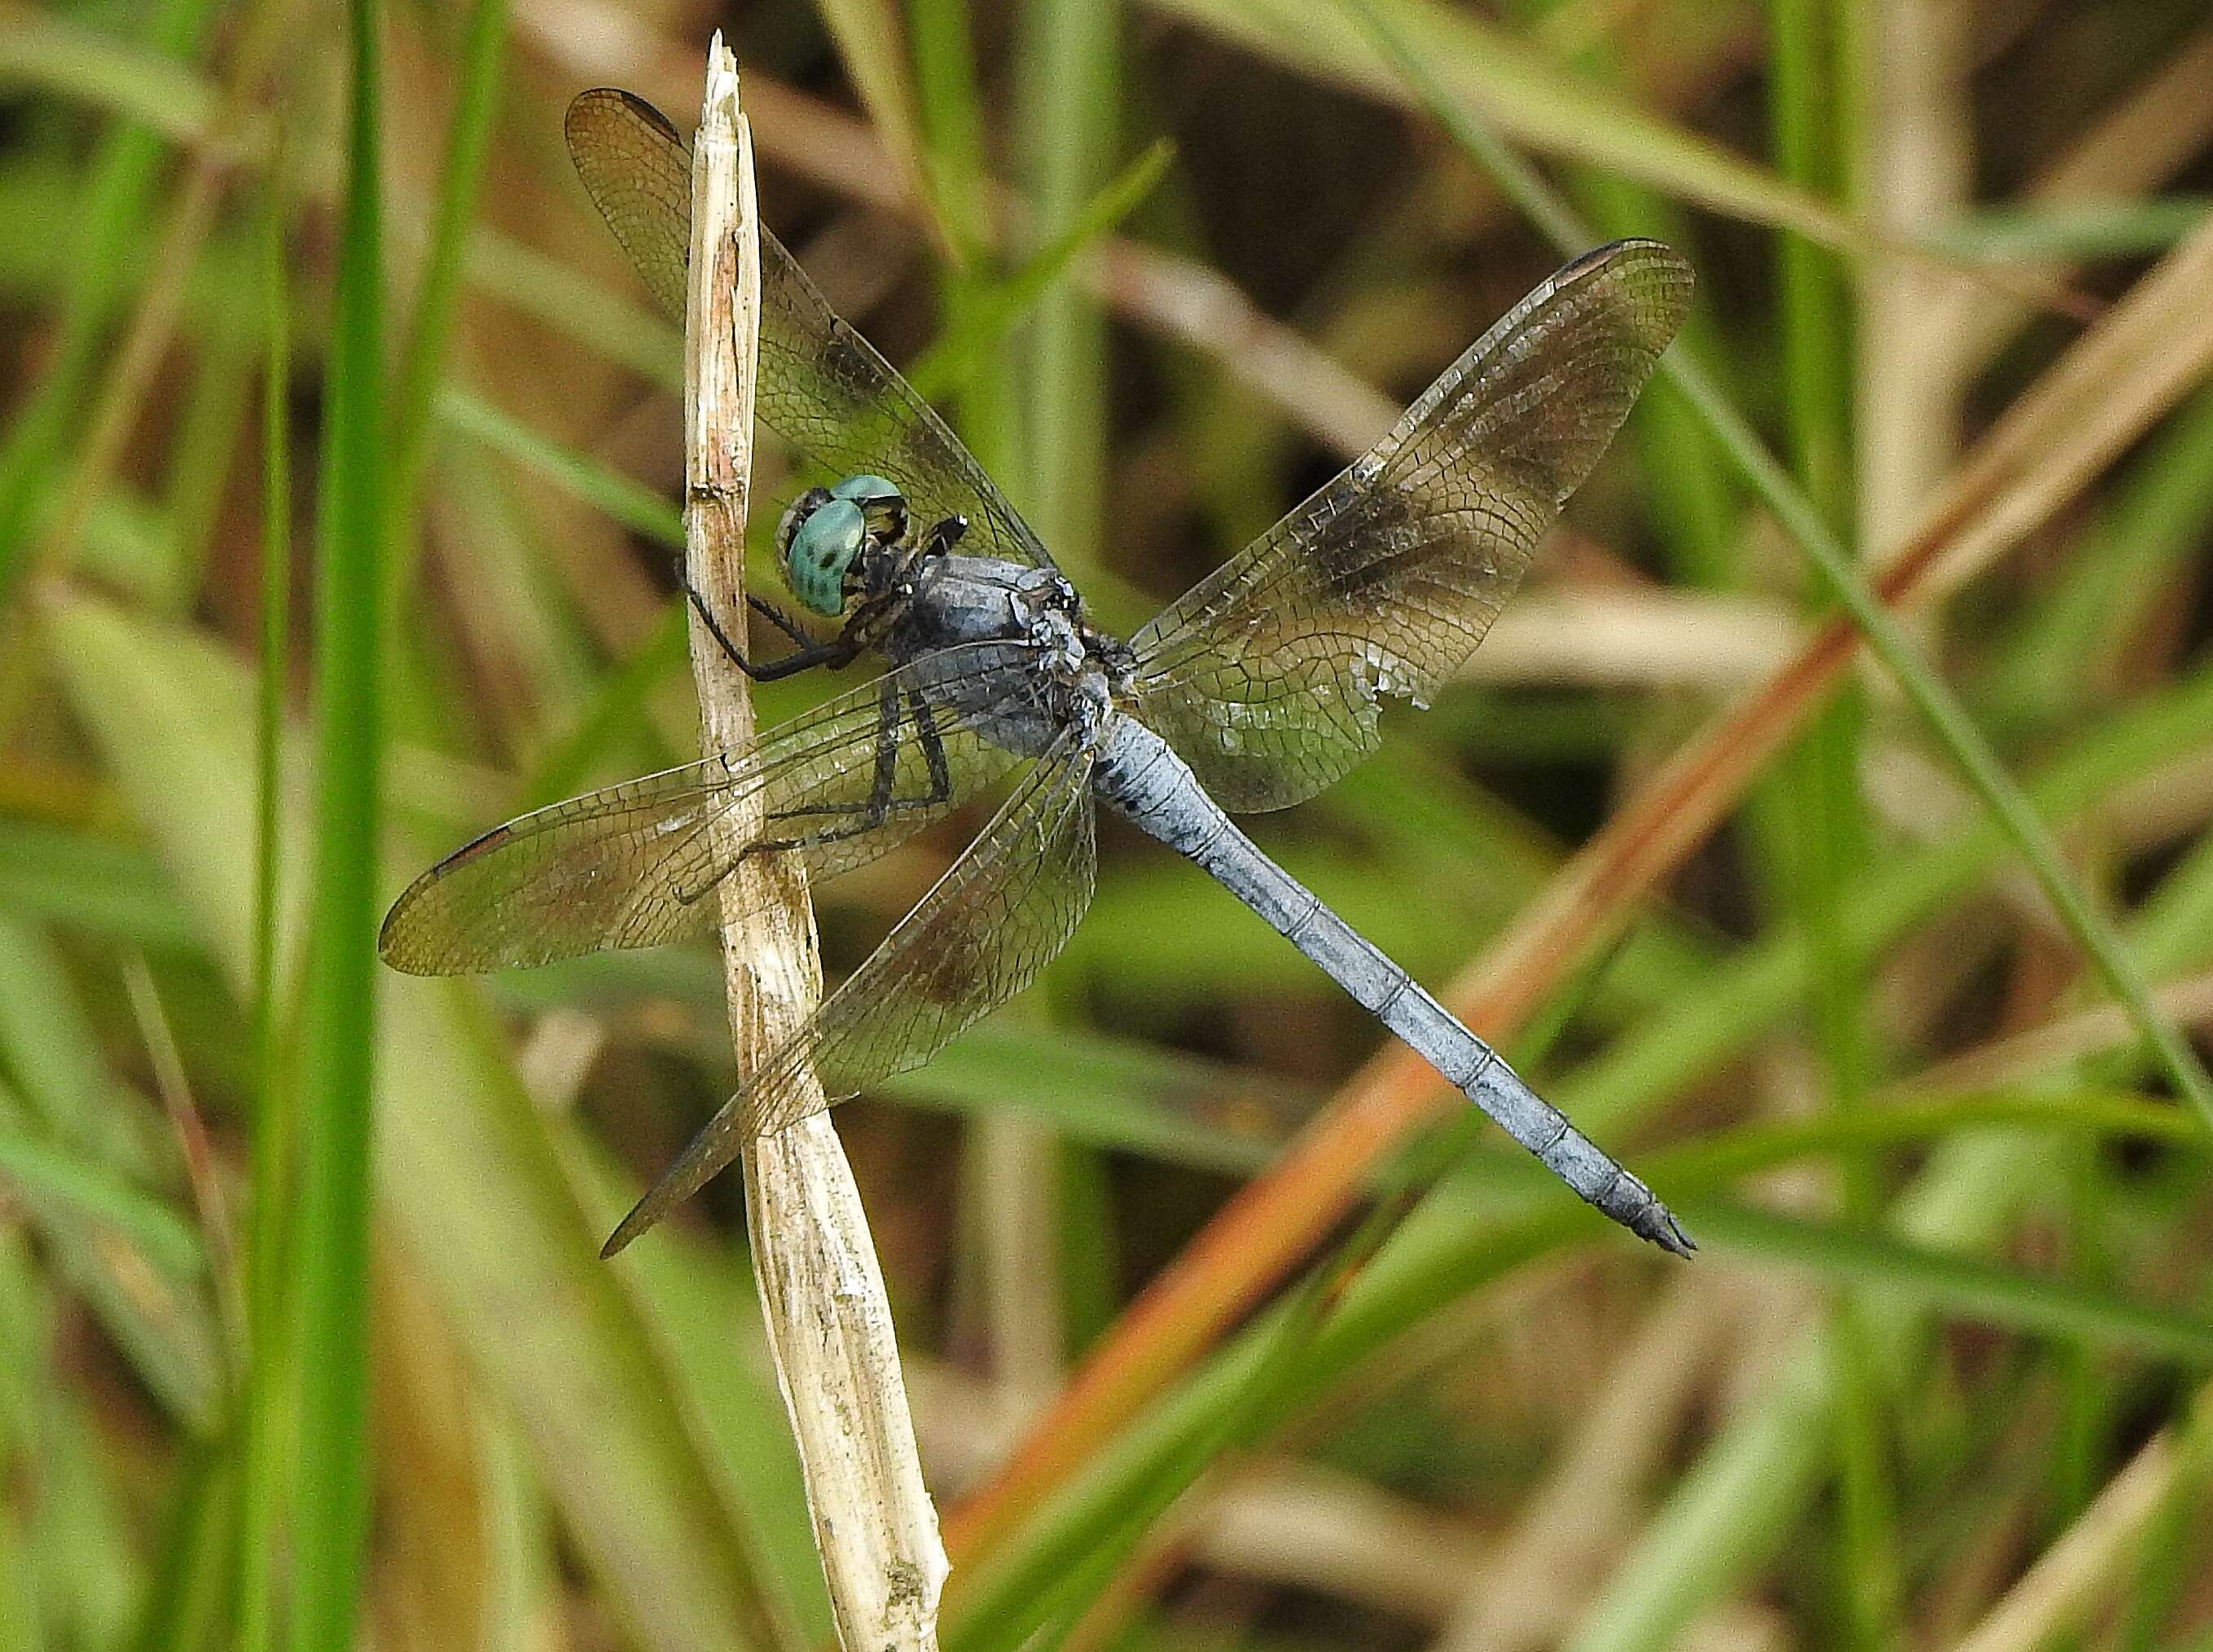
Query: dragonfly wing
[[638, 173], [640, 863], [983, 933], [1266, 676], [825, 390], [823, 387]]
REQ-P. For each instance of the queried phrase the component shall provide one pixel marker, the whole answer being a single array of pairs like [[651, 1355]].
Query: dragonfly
[[1255, 691]]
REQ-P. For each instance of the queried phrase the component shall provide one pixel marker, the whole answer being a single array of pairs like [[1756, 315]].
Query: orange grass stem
[[2117, 379]]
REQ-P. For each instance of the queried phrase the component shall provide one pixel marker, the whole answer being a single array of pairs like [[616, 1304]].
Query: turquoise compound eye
[[865, 489], [882, 506], [822, 548]]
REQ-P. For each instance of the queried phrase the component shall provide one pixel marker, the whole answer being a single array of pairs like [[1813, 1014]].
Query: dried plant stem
[[2069, 1579], [829, 1323]]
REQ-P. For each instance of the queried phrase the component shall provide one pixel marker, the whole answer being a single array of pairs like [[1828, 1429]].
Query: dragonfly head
[[824, 531]]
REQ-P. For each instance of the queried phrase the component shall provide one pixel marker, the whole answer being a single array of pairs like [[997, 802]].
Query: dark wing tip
[[585, 107], [719, 1141], [621, 1237], [588, 105], [1661, 280], [646, 1214], [397, 942], [389, 941]]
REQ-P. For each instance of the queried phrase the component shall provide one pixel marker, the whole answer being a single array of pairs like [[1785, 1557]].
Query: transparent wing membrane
[[640, 863], [638, 173], [823, 387], [998, 916], [1267, 675]]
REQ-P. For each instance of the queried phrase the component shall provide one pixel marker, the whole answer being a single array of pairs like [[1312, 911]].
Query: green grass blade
[[215, 418], [1456, 1244], [471, 1182], [964, 348], [1700, 1541], [2074, 231], [69, 1570], [82, 1154], [111, 220], [1999, 1295], [626, 333], [871, 39], [90, 884], [187, 1603], [613, 707], [2171, 1555], [986, 409], [1965, 744], [1075, 1558], [1811, 140], [710, 1319], [637, 508], [49, 1044], [331, 1488], [2115, 579], [47, 52], [1067, 115], [423, 357], [1808, 812], [1689, 1035], [39, 1172], [950, 106], [267, 1426], [1538, 103]]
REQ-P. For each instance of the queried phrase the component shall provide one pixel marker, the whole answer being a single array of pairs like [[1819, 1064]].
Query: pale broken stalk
[[829, 1322]]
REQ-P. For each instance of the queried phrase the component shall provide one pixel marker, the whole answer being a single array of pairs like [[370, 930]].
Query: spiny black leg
[[881, 804], [736, 654], [887, 722], [933, 746], [872, 817], [783, 621], [833, 655], [837, 652]]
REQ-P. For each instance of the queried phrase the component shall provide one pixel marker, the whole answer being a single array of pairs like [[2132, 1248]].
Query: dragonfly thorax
[[824, 531]]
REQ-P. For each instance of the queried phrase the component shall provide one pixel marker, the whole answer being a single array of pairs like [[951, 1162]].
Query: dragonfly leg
[[837, 652], [941, 536], [883, 800], [778, 618], [933, 746]]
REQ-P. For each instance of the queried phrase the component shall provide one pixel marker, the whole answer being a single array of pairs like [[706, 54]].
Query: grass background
[[335, 513]]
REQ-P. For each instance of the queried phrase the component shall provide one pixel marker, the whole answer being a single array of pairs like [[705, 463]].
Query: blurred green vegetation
[[338, 469]]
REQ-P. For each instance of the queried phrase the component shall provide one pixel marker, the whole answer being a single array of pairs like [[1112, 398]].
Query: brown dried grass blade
[[828, 1318]]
